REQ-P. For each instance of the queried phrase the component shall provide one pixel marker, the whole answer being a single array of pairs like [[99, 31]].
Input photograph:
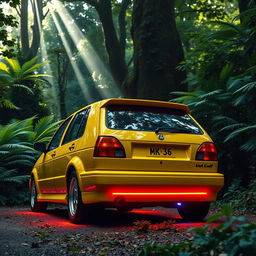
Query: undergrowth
[[239, 198], [234, 237]]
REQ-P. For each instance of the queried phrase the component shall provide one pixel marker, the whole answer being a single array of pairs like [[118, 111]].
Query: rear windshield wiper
[[171, 130]]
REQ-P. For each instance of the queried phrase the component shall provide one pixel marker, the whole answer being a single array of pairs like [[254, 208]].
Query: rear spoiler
[[152, 103]]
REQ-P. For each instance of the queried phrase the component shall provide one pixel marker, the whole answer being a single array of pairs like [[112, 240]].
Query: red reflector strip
[[90, 188], [156, 193]]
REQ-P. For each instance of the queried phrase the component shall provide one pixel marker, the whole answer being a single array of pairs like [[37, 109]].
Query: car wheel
[[77, 211], [124, 209], [194, 211], [34, 204]]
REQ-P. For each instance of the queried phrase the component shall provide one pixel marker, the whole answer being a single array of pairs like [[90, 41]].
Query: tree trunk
[[36, 28], [122, 26], [30, 50], [157, 51], [115, 46], [115, 51], [245, 5], [24, 27], [62, 67]]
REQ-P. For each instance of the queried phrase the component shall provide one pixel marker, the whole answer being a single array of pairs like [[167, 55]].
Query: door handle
[[53, 154], [72, 147]]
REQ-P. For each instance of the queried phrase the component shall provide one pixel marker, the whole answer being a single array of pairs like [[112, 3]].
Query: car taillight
[[108, 147], [207, 152]]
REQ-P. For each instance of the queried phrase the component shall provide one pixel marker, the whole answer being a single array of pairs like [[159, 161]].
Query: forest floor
[[23, 232]]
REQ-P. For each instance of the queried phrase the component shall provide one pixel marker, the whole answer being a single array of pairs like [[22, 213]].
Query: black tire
[[77, 211], [194, 211], [34, 204], [124, 209]]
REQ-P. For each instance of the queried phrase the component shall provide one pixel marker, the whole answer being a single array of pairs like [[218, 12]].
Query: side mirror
[[40, 146]]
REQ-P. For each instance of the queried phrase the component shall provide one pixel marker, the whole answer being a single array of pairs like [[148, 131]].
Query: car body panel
[[150, 162]]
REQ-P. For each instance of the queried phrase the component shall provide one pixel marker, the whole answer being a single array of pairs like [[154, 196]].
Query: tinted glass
[[58, 135], [76, 128], [83, 124], [139, 118]]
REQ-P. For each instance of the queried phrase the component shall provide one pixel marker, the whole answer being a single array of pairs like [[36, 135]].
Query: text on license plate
[[155, 151]]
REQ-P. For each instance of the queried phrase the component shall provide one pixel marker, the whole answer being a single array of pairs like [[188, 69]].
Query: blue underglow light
[[179, 204]]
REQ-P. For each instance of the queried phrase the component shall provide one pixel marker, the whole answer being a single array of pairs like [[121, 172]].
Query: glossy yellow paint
[[137, 168]]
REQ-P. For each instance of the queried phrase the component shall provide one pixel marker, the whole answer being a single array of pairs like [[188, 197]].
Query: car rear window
[[140, 118]]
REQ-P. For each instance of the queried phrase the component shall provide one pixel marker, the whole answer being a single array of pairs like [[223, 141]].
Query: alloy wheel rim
[[73, 196]]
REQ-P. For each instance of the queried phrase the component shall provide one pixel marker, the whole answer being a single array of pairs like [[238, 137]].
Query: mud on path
[[109, 233]]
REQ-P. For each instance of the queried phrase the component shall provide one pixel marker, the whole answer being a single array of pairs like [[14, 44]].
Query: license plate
[[157, 151]]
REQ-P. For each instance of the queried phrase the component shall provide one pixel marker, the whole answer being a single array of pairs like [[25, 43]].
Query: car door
[[46, 172], [71, 143]]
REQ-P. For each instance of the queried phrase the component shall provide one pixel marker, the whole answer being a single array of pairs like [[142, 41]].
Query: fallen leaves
[[126, 242]]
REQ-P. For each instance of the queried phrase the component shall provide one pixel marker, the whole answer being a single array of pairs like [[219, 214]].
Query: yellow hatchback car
[[126, 153]]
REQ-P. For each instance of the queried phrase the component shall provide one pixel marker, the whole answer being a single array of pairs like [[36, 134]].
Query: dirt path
[[110, 233]]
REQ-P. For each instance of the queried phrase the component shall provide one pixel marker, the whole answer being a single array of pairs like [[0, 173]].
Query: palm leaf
[[14, 67], [35, 76], [3, 67], [250, 145], [32, 69], [246, 14], [239, 132], [247, 88], [7, 173], [232, 127], [44, 129], [27, 65], [7, 104], [228, 34], [227, 24], [23, 87], [43, 123]]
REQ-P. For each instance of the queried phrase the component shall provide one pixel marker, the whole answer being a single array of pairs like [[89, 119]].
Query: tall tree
[[115, 39], [30, 46], [157, 51], [62, 63]]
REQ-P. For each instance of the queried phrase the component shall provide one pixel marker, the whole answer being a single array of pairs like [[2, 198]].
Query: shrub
[[17, 155], [234, 237], [241, 199]]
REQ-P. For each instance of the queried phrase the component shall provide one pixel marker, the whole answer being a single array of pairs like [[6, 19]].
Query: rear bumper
[[130, 186]]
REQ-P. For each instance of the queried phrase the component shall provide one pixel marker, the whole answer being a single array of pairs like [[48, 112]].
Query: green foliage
[[6, 43], [222, 91], [13, 75], [233, 237], [17, 155], [241, 199]]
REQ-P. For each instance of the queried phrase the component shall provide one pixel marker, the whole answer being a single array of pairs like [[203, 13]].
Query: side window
[[58, 135], [76, 128]]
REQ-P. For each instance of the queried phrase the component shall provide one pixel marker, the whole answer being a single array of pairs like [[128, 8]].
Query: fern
[[13, 75], [241, 131], [17, 155]]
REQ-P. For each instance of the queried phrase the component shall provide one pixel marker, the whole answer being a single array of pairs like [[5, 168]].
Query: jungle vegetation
[[58, 56]]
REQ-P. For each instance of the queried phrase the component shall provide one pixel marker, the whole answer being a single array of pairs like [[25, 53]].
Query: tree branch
[[197, 10], [17, 8], [91, 2], [45, 14]]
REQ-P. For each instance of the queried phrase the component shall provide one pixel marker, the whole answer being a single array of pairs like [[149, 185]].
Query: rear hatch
[[156, 136]]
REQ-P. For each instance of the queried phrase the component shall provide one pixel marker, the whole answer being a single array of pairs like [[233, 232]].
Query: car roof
[[137, 102], [140, 102]]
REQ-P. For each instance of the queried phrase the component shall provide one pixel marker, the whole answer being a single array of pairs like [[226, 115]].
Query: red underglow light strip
[[155, 193]]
